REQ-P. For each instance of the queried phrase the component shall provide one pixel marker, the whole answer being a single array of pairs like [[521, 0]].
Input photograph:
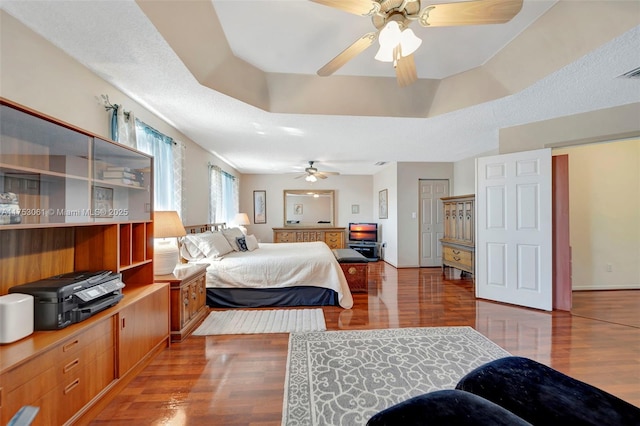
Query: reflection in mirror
[[308, 207]]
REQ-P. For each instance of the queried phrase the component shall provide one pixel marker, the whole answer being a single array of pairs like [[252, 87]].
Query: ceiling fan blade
[[347, 54], [406, 71], [477, 12], [357, 7]]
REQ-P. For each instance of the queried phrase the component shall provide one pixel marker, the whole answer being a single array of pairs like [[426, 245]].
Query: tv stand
[[367, 249]]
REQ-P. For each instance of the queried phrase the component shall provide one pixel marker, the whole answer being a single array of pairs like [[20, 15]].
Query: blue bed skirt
[[255, 298]]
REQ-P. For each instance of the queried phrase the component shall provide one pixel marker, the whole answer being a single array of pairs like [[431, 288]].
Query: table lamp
[[167, 228], [240, 220]]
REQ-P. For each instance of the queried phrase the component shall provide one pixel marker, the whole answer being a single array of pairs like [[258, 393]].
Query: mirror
[[308, 208]]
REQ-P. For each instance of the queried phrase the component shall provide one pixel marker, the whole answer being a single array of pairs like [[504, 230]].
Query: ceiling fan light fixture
[[409, 42], [391, 37], [310, 178]]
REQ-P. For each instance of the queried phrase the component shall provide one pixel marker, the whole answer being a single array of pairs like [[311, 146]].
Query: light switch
[[413, 215]]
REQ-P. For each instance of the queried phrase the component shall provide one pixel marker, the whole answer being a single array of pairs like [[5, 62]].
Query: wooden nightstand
[[188, 298]]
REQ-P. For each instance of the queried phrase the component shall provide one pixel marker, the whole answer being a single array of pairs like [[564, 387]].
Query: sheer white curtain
[[154, 143], [223, 195]]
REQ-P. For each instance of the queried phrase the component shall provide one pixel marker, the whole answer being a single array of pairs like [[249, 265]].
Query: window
[[167, 171], [223, 197]]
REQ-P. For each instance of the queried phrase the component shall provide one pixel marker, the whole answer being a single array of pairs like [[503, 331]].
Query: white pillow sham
[[231, 234], [214, 244], [252, 242], [206, 244]]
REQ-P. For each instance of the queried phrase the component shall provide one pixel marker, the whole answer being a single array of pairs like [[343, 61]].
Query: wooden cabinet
[[357, 275], [142, 327], [62, 210], [333, 237], [458, 243], [188, 298]]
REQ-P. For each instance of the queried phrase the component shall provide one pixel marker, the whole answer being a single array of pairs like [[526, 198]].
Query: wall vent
[[380, 163], [634, 73]]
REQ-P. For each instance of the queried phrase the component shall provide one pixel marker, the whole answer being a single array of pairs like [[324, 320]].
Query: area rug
[[345, 377], [262, 321]]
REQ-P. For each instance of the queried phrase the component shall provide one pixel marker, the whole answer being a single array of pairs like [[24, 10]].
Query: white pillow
[[190, 250], [213, 244], [252, 242], [231, 234]]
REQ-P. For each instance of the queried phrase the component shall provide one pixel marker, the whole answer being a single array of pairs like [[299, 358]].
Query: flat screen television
[[363, 232]]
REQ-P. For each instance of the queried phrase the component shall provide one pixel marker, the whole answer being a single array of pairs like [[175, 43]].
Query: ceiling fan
[[392, 18], [312, 174]]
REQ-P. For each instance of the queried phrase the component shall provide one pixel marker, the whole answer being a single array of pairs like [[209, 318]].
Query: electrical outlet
[[609, 267]]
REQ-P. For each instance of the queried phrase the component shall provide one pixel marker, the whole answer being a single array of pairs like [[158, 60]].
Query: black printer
[[66, 299]]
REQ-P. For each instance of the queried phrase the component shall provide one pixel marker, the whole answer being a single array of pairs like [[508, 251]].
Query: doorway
[[604, 229], [431, 220]]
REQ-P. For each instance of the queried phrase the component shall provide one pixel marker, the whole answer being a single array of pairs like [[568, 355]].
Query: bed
[[256, 274]]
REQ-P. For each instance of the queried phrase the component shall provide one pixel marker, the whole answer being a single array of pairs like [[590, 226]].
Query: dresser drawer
[[65, 378], [463, 257]]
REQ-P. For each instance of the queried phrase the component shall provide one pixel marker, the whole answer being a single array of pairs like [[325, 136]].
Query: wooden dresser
[[458, 243], [188, 298], [334, 237]]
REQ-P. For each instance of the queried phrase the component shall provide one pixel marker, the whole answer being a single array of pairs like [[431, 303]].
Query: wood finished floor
[[239, 380]]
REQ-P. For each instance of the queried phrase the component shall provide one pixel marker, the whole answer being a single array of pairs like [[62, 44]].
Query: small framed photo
[[259, 207], [102, 202], [383, 212], [355, 208], [297, 209]]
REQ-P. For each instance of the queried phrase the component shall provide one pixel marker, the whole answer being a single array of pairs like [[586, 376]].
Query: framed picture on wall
[[382, 205], [259, 207], [297, 209]]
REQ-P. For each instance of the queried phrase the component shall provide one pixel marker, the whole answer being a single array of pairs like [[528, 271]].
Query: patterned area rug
[[262, 321], [345, 377]]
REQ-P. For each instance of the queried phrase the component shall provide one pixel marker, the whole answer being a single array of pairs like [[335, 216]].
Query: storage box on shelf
[[59, 213], [458, 243]]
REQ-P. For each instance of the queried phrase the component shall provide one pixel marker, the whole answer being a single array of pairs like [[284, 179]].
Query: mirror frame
[[330, 192]]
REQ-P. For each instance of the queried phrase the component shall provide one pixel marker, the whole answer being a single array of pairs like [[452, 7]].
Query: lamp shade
[[167, 224], [391, 36], [241, 219]]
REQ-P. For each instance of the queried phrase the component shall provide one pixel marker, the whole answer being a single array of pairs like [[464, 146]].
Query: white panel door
[[431, 221], [514, 235]]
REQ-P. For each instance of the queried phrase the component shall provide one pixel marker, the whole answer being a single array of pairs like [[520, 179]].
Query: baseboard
[[601, 287]]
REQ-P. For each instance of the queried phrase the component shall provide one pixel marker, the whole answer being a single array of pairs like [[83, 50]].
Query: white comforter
[[281, 265]]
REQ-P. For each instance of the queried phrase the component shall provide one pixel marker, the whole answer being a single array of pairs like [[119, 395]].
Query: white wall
[[40, 76], [409, 175], [349, 190], [387, 179], [604, 203], [464, 174]]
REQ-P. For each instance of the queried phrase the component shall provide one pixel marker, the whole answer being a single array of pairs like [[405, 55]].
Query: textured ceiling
[[287, 41]]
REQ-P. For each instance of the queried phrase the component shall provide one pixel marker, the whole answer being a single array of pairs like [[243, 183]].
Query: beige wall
[[66, 90], [604, 189], [349, 190]]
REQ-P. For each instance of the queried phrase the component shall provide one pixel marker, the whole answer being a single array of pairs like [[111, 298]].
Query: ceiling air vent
[[380, 163], [634, 73]]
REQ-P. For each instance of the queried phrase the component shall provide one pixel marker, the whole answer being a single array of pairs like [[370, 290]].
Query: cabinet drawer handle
[[352, 270], [73, 364], [69, 345], [456, 258], [456, 251], [71, 386]]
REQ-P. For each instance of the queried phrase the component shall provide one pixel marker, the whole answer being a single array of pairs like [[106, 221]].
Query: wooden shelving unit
[[67, 218]]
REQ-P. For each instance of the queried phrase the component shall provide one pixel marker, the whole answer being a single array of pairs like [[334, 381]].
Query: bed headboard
[[197, 229]]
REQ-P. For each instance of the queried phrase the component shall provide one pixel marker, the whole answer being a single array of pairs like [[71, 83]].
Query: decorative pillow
[[231, 234], [242, 243], [213, 244], [252, 242]]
